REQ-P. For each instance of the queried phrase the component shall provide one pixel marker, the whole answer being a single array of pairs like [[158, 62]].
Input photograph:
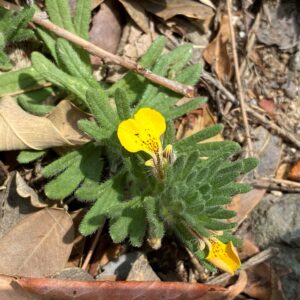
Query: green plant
[[12, 30], [188, 199]]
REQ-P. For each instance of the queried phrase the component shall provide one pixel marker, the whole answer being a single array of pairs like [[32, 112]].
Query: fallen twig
[[262, 119], [277, 184], [39, 18], [238, 81], [92, 249]]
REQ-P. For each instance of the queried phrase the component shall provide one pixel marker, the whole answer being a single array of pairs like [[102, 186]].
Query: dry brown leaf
[[196, 121], [25, 191], [106, 29], [169, 8], [20, 130], [216, 53], [243, 204], [237, 288], [39, 245], [86, 290], [294, 173], [137, 13], [208, 3], [263, 283]]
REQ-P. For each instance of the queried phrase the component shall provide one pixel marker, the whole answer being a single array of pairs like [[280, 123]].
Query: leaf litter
[[270, 75]]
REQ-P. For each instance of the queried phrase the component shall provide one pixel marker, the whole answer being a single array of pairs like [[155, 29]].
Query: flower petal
[[129, 136], [223, 256], [151, 120], [143, 132]]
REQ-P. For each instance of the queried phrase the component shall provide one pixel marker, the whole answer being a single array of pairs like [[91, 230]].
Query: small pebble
[[294, 63], [276, 193], [242, 34]]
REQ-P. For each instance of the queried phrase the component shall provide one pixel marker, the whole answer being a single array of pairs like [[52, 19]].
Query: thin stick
[[238, 81], [262, 119], [254, 260], [277, 184], [92, 249], [38, 18], [271, 125]]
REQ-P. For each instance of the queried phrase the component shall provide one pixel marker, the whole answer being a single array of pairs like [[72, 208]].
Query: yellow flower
[[223, 256], [143, 132]]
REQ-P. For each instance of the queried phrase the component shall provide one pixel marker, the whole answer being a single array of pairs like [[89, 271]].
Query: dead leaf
[[263, 283], [208, 3], [136, 11], [13, 207], [216, 53], [196, 121], [39, 245], [268, 106], [67, 289], [245, 203], [3, 174], [294, 173], [106, 29], [237, 288], [21, 130], [25, 191], [282, 170], [169, 8]]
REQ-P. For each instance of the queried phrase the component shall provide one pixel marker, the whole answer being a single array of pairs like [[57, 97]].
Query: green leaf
[[82, 18], [134, 84], [93, 130], [190, 75], [249, 164], [61, 164], [64, 184], [200, 136], [95, 217], [100, 107], [169, 136], [184, 108], [59, 13], [122, 104], [47, 69], [71, 61], [49, 40], [156, 226], [16, 81], [32, 101], [27, 156], [17, 22]]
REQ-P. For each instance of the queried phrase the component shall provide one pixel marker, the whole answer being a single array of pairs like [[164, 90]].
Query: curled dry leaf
[[25, 191], [20, 130], [216, 53], [137, 12], [39, 245], [84, 290]]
